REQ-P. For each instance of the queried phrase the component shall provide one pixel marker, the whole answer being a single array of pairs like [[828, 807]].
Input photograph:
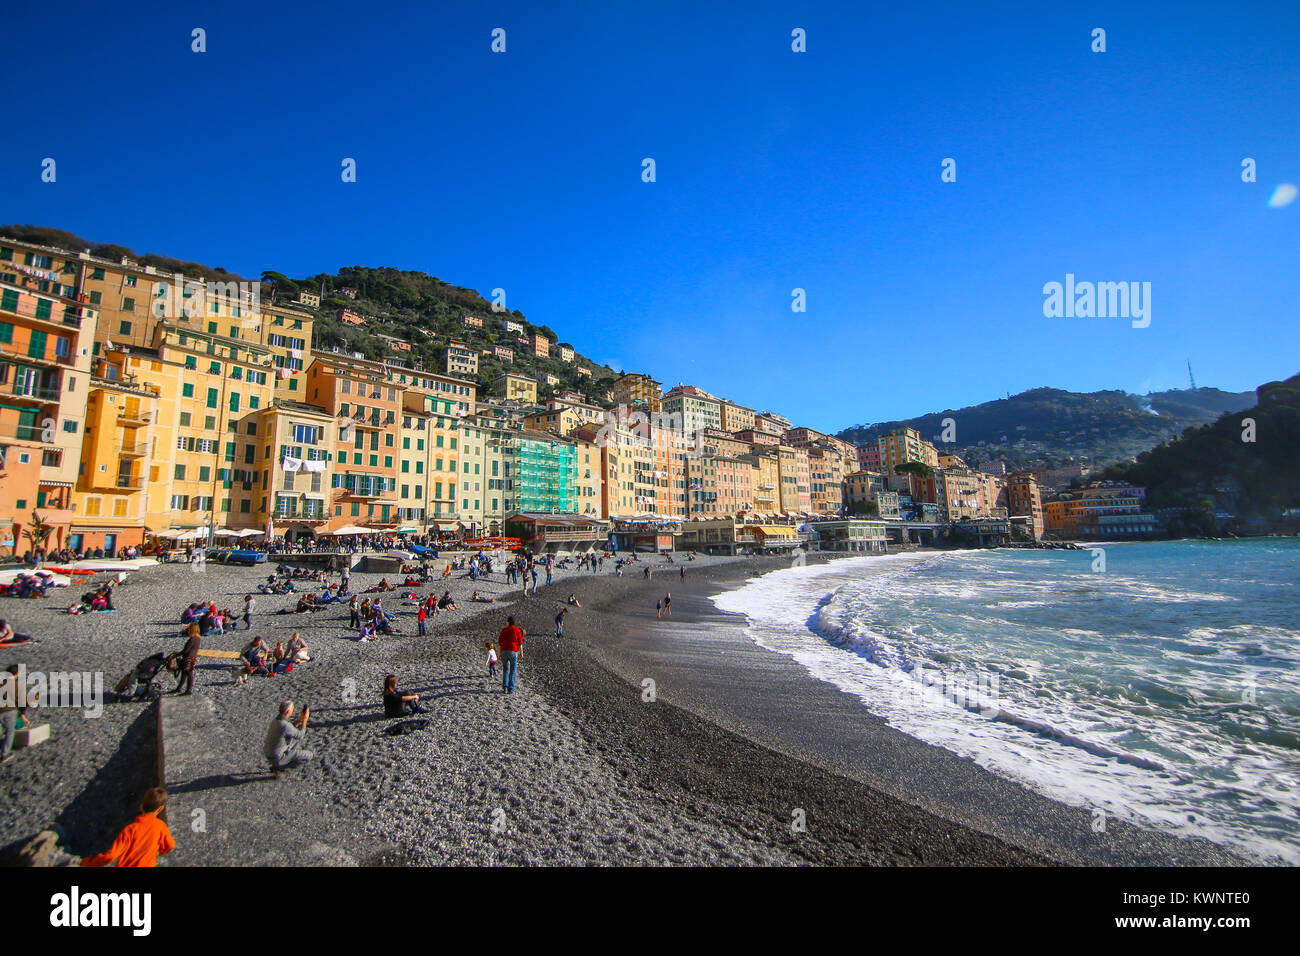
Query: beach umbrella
[[349, 529], [225, 533], [250, 532]]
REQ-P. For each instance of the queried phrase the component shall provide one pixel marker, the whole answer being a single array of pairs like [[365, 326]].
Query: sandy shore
[[577, 767]]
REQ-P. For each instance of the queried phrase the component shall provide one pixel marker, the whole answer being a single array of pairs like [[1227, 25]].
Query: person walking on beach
[[189, 659], [659, 608], [143, 839], [511, 642], [248, 612], [559, 622], [420, 618], [283, 746], [492, 659], [354, 608], [683, 572], [668, 605]]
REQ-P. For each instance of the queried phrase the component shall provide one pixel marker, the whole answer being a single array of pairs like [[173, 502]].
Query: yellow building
[[636, 389], [515, 387]]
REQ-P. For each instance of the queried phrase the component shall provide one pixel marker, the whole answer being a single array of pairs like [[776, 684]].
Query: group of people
[[259, 660], [28, 585], [92, 602]]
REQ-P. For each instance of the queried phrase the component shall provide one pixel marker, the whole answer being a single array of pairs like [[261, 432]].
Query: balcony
[[293, 514], [136, 449], [134, 418], [35, 394], [128, 482], [32, 433]]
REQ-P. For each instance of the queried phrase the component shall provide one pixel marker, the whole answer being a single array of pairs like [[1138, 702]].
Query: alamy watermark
[[34, 689], [192, 299], [1102, 300]]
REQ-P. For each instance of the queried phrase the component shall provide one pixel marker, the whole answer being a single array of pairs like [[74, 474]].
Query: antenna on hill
[[1190, 376]]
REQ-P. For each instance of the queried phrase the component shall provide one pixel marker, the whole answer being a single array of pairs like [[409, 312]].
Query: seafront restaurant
[[728, 535], [541, 532], [851, 534], [645, 532]]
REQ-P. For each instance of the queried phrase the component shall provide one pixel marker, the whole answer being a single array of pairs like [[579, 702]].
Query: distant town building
[[460, 359]]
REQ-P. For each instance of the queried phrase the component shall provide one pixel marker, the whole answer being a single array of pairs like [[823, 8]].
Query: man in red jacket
[[511, 643]]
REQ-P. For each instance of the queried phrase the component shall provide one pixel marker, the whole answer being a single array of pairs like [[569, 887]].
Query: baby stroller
[[142, 683]]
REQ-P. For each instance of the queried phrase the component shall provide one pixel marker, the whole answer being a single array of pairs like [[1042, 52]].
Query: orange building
[[45, 344]]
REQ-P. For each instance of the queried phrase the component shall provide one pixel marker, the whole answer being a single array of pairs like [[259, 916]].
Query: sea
[[1155, 682]]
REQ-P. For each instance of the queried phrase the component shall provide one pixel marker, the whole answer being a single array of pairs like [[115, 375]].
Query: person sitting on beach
[[573, 601], [279, 659], [383, 623], [446, 572], [298, 649], [255, 661], [481, 598], [7, 635], [446, 603], [367, 632], [143, 839], [397, 704], [283, 746]]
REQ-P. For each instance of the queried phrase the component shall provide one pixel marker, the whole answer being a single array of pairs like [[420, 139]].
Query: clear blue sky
[[775, 170]]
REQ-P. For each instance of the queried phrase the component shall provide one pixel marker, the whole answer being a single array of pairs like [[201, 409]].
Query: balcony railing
[[137, 449], [129, 482], [133, 417], [34, 393], [293, 514]]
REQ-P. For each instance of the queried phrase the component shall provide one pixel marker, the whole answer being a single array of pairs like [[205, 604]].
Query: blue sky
[[775, 170]]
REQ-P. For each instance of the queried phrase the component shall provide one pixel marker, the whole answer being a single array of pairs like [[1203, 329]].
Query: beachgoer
[[491, 658], [659, 608], [511, 642], [283, 745], [141, 840], [668, 605], [189, 658], [559, 622], [397, 704]]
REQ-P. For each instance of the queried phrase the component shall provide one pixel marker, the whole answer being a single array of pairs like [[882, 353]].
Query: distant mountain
[[1049, 427], [1247, 464]]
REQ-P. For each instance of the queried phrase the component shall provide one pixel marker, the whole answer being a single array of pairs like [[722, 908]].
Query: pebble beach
[[581, 766]]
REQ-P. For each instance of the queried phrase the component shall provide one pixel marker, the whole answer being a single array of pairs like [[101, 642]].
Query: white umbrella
[[250, 532], [193, 535], [349, 529], [225, 533], [168, 533]]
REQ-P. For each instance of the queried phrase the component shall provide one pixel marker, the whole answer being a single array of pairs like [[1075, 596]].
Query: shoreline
[[576, 768]]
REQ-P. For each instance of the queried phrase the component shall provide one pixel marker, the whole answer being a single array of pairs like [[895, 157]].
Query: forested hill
[[1246, 463], [1051, 426], [427, 312], [418, 308]]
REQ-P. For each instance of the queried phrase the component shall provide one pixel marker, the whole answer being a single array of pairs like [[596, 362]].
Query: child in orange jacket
[[143, 839]]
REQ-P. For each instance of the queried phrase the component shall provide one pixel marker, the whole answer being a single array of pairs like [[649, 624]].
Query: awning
[[773, 531], [350, 529]]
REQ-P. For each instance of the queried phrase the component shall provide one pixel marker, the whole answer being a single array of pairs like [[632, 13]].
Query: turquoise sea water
[[1161, 687]]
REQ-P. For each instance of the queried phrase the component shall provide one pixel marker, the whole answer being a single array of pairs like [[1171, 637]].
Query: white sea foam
[[1140, 724]]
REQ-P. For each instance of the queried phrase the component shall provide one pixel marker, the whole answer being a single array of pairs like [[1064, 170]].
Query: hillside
[[413, 306], [1213, 466], [1050, 427], [427, 312]]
